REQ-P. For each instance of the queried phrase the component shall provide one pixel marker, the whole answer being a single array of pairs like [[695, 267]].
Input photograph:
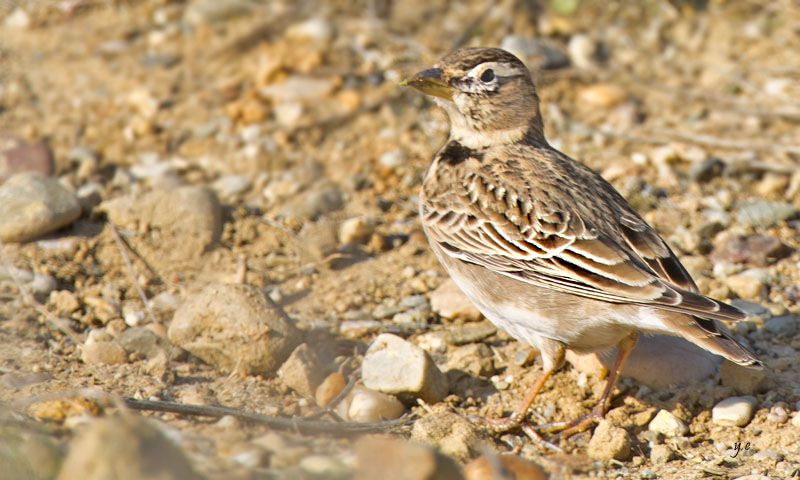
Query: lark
[[543, 246]]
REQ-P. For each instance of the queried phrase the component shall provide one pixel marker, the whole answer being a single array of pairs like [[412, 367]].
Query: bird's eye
[[487, 75]]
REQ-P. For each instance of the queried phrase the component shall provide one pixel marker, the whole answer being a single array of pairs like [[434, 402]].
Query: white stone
[[393, 365], [736, 411], [370, 406], [668, 425], [18, 19], [355, 230]]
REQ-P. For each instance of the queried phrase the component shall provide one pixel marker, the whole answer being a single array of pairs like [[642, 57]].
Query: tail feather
[[714, 337]]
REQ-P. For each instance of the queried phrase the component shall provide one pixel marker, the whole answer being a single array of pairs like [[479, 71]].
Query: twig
[[30, 300], [131, 272], [144, 261], [280, 423], [662, 136]]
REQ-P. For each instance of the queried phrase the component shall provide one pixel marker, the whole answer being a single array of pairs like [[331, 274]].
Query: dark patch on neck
[[454, 153]]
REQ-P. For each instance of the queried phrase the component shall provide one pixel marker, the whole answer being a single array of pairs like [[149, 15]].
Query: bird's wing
[[594, 245]]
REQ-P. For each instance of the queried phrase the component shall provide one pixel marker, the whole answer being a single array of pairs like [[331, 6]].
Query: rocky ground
[[213, 202]]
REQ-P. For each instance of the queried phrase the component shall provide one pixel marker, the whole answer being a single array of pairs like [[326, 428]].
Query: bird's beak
[[430, 82]]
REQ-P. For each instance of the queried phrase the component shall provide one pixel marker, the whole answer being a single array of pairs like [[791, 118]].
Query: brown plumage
[[544, 246]]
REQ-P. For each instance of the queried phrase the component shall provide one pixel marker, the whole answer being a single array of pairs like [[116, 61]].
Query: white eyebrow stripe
[[500, 69]]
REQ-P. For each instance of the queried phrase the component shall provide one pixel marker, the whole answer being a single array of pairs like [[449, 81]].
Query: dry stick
[[131, 272], [662, 136], [30, 300], [139, 256], [279, 423]]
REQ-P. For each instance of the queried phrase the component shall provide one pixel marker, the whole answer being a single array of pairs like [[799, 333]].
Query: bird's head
[[488, 94]]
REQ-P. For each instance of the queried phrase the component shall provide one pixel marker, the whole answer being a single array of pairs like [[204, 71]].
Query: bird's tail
[[714, 337]]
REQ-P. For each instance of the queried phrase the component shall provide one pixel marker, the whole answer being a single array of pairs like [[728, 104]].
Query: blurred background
[[186, 154]]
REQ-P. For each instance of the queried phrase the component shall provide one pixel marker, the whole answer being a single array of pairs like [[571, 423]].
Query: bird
[[545, 248]]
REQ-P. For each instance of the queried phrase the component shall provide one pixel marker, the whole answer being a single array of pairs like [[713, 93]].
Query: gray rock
[[126, 447], [393, 365], [764, 214], [316, 202], [189, 217], [784, 326], [609, 442], [451, 433], [143, 342], [750, 308], [235, 328], [27, 453], [542, 54], [378, 455], [657, 361], [302, 371], [231, 185], [706, 169], [759, 250], [668, 425], [103, 353], [32, 205], [215, 11], [746, 381], [733, 411], [661, 454]]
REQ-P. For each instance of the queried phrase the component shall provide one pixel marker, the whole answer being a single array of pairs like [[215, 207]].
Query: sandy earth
[[292, 115]]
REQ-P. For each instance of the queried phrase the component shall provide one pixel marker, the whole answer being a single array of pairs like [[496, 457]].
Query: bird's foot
[[565, 430], [513, 422]]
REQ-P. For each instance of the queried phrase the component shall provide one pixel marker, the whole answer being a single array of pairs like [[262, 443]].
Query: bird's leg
[[567, 429], [552, 358]]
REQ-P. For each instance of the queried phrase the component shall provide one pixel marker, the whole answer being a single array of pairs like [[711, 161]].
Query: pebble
[[752, 309], [484, 468], [355, 230], [609, 443], [42, 285], [316, 30], [298, 88], [757, 250], [796, 419], [582, 51], [778, 414], [324, 467], [302, 371], [235, 328], [393, 365], [28, 452], [125, 447], [377, 455], [668, 425], [470, 333], [366, 405], [18, 157], [32, 205], [190, 218], [706, 170], [214, 11], [451, 433], [359, 328], [749, 284], [541, 53], [657, 361], [783, 326], [330, 388], [764, 214], [746, 381], [228, 186], [18, 19], [103, 353], [661, 454], [474, 359], [734, 411], [312, 204], [143, 342], [601, 95], [448, 301]]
